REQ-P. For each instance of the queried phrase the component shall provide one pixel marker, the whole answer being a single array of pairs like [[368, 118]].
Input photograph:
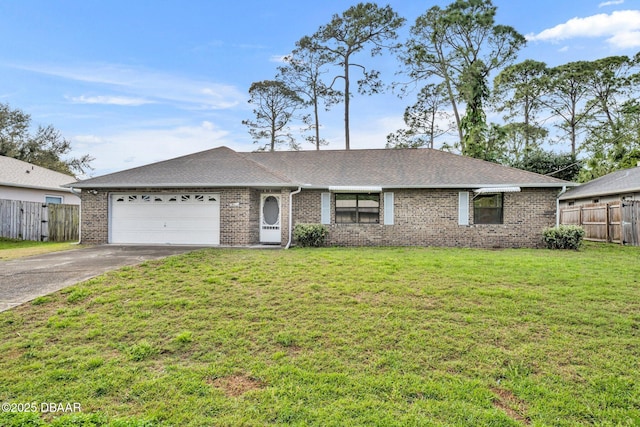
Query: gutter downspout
[[77, 193], [564, 190], [290, 215]]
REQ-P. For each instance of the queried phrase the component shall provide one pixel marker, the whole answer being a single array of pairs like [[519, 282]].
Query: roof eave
[[178, 185], [64, 188], [88, 185], [450, 186], [569, 196]]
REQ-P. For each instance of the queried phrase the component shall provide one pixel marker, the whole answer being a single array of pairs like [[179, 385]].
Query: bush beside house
[[564, 237], [312, 235]]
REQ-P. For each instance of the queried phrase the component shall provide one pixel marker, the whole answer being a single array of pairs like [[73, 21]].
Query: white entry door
[[270, 218], [176, 218]]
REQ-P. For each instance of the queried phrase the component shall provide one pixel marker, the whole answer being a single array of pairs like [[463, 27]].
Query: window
[[358, 208], [487, 209], [53, 200]]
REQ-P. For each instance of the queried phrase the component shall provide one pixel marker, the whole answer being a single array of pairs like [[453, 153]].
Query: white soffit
[[492, 190], [355, 189]]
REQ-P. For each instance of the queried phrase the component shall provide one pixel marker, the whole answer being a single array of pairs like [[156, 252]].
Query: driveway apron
[[24, 279]]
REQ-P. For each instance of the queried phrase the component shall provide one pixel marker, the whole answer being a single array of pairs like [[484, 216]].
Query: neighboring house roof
[[16, 173], [619, 182], [408, 168]]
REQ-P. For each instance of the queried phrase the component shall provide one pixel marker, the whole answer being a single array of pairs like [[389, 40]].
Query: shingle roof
[[396, 168], [619, 182], [419, 168], [217, 167], [16, 173]]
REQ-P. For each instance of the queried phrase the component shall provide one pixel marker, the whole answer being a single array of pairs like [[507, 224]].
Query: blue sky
[[133, 82]]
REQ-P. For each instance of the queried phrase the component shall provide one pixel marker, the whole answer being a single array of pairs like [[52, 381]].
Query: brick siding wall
[[236, 216], [421, 218], [430, 218], [94, 217]]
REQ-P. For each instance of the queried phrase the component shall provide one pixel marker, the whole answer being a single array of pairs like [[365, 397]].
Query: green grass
[[12, 248], [334, 337]]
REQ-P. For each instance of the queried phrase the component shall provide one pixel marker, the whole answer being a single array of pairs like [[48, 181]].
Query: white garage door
[[177, 218]]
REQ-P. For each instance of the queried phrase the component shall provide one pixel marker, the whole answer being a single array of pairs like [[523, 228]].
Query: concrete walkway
[[24, 279]]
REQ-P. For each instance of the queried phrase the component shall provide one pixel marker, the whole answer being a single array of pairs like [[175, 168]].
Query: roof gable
[[419, 168], [16, 173], [219, 166]]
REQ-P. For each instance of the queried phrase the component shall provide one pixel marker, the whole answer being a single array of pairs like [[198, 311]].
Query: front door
[[270, 218]]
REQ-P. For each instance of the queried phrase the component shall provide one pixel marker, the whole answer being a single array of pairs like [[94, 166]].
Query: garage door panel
[[168, 237], [165, 218]]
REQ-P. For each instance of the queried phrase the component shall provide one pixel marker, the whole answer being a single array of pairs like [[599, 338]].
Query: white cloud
[[110, 100], [611, 3], [372, 134], [621, 29], [128, 149], [626, 40], [142, 83]]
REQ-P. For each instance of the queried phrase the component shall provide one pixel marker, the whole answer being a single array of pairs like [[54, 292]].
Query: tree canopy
[[303, 74], [460, 46], [274, 107], [360, 26], [45, 147], [577, 120]]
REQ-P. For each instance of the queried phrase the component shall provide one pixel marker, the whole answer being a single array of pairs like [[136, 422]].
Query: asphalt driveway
[[24, 279]]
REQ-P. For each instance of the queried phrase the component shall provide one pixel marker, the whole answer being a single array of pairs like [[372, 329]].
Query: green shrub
[[563, 237], [310, 234]]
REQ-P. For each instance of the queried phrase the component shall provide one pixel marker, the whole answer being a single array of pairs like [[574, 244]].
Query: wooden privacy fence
[[38, 221], [617, 222]]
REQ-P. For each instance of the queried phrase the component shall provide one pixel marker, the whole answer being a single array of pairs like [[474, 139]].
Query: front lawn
[[335, 337], [12, 248]]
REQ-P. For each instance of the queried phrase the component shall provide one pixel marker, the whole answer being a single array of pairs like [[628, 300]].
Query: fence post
[[580, 217], [606, 220], [44, 233], [636, 221]]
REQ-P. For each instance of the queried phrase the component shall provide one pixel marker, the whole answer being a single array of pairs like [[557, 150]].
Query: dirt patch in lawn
[[236, 385], [508, 402]]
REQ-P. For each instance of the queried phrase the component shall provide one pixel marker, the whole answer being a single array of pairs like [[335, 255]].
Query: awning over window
[[493, 190], [355, 189]]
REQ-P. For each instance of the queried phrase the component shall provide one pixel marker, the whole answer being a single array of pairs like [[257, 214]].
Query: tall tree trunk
[[273, 138], [527, 129], [316, 121], [346, 103], [454, 105], [432, 127]]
